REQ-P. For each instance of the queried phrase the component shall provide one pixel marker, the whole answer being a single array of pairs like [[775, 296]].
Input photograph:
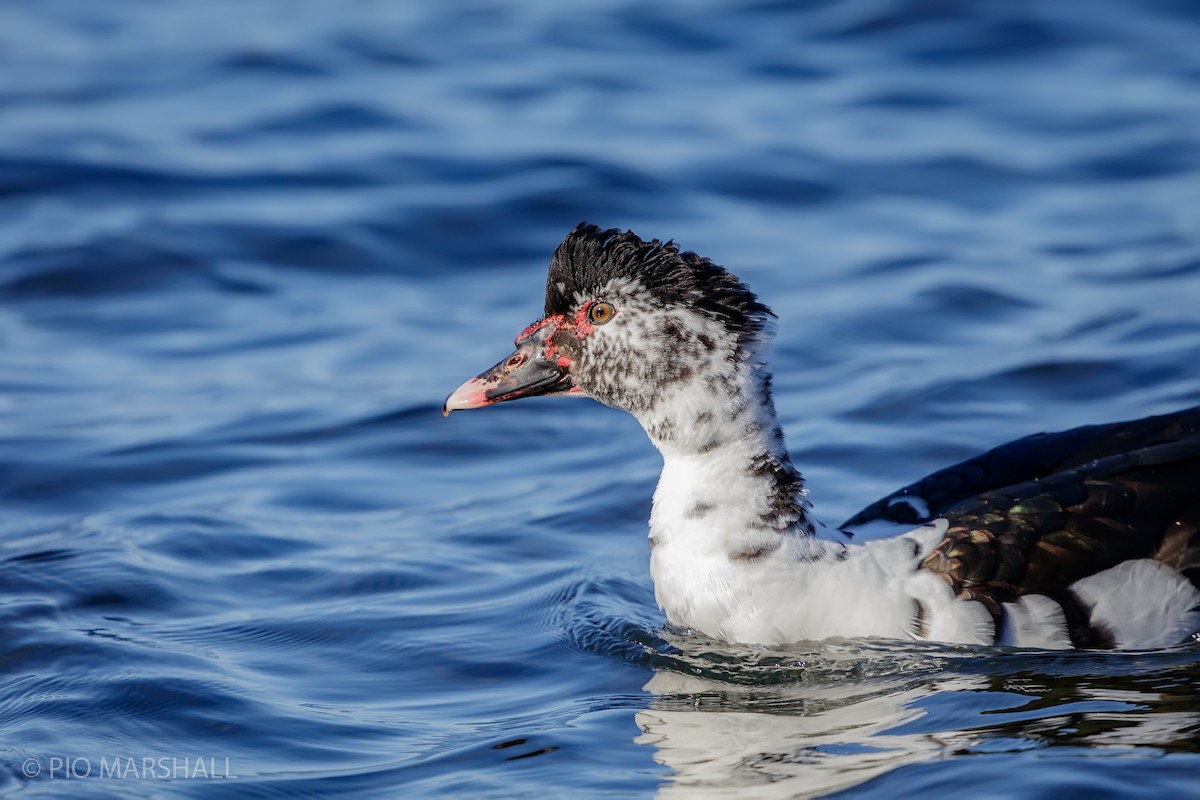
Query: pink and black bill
[[534, 369]]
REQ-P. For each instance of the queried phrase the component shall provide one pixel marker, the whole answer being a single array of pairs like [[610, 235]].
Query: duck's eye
[[601, 313]]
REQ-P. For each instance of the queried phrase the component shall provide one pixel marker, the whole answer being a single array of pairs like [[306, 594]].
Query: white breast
[[804, 588]]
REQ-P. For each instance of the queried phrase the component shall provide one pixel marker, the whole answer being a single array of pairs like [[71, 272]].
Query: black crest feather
[[590, 257]]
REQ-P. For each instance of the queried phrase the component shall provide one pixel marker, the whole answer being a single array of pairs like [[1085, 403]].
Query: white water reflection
[[726, 740], [717, 752]]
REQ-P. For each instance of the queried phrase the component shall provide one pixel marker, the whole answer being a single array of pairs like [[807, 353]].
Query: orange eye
[[601, 313]]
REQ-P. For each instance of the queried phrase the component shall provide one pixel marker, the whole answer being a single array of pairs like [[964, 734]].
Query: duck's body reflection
[[804, 741], [751, 738]]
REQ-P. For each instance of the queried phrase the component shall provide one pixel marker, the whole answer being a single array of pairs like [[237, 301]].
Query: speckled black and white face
[[666, 335], [676, 337], [644, 351]]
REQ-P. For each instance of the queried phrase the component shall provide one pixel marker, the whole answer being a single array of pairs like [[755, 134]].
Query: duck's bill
[[525, 373]]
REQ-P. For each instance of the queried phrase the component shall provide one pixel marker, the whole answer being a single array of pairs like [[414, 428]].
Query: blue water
[[247, 249]]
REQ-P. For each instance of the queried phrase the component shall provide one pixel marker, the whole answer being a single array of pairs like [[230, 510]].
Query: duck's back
[[1096, 526]]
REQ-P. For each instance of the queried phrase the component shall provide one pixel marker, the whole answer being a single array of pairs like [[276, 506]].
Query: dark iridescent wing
[[1033, 457], [1040, 536], [1036, 515]]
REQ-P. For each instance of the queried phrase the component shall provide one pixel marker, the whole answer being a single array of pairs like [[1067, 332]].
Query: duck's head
[[637, 325]]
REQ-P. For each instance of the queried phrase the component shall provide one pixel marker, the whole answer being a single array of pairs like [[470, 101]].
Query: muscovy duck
[[1086, 538]]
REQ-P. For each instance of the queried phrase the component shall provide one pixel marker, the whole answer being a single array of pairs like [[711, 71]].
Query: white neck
[[729, 502], [725, 463], [738, 494]]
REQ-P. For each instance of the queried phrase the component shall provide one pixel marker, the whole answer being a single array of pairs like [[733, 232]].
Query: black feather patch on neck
[[590, 257]]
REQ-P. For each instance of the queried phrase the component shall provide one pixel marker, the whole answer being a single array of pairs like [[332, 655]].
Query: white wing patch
[[1035, 620], [915, 502], [948, 619], [1144, 603]]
